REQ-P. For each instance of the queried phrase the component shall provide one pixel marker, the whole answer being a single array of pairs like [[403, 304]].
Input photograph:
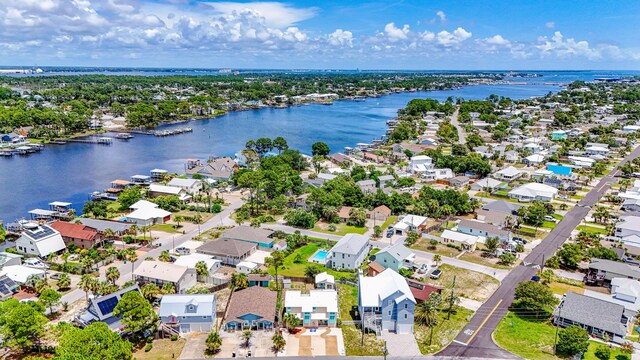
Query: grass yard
[[162, 349], [477, 258], [593, 346], [592, 229], [557, 217], [549, 225], [528, 339], [444, 332], [424, 245], [390, 220], [291, 268], [169, 228], [187, 214], [347, 300], [561, 288], [341, 229], [469, 284]]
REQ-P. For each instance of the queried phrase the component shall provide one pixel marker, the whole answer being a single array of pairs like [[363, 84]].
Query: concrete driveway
[[401, 345], [323, 342], [195, 346]]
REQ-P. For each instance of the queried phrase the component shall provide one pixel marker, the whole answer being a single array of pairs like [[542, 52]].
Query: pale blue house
[[188, 312], [478, 228], [251, 308], [385, 302], [395, 257]]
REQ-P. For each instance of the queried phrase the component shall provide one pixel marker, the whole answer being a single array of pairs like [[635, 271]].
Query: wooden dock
[[99, 141]]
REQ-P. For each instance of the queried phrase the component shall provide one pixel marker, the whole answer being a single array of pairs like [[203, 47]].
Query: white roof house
[[40, 241], [625, 292], [191, 260], [246, 267], [374, 289], [486, 183], [349, 252], [141, 204], [534, 159], [409, 223], [169, 190], [327, 299], [20, 273], [147, 213], [508, 173], [533, 192], [189, 185], [459, 238], [160, 272], [325, 281]]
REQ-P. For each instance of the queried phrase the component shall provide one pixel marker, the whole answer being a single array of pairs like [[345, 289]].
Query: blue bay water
[[70, 172]]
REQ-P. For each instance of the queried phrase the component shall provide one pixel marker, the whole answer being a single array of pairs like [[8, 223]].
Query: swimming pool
[[320, 256]]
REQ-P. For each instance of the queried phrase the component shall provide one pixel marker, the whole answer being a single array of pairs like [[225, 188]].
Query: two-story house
[[317, 308], [189, 312], [480, 228], [386, 302], [349, 252], [408, 223], [40, 241]]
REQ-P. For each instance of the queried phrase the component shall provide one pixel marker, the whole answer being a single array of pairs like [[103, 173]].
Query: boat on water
[[124, 136]]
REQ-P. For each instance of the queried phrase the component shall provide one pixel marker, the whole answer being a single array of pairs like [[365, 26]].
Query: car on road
[[182, 250], [436, 274]]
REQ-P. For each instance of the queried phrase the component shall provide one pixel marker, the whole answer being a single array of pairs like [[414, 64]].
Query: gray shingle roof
[[226, 247], [615, 267], [351, 244], [248, 233], [593, 312], [502, 206]]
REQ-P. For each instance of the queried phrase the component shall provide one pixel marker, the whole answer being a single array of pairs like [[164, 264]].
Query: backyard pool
[[319, 257]]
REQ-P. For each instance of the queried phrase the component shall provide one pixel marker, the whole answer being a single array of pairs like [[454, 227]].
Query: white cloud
[[459, 35], [441, 15], [341, 38], [560, 47], [550, 25], [497, 40], [394, 33], [276, 14]]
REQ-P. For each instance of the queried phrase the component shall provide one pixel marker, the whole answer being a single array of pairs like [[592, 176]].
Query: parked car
[[436, 274], [55, 276], [550, 218], [422, 268], [183, 250], [389, 233], [35, 263]]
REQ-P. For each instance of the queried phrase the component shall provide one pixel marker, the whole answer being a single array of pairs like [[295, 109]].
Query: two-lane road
[[475, 339]]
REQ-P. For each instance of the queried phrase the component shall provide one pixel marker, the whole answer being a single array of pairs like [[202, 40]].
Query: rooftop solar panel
[[106, 306]]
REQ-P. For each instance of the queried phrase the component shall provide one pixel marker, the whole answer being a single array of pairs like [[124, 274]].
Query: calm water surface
[[70, 172]]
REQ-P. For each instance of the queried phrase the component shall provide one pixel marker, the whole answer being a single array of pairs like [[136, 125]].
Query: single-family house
[[395, 257], [159, 273], [408, 223], [379, 213], [118, 228], [509, 173], [251, 308], [212, 265], [341, 159], [600, 318], [315, 308], [325, 281], [261, 237], [261, 280], [8, 259], [21, 274], [191, 186], [533, 192], [386, 302], [156, 190], [437, 174], [246, 267], [188, 312], [146, 213], [420, 164], [421, 291], [367, 186], [511, 156], [604, 271], [486, 184], [459, 181], [101, 309], [8, 287], [478, 228], [625, 292], [462, 240], [534, 159], [40, 241], [230, 252], [82, 236], [386, 181], [596, 150], [217, 169], [627, 226], [349, 252]]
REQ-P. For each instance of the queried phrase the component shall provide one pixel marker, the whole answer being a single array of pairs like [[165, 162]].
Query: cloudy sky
[[345, 34]]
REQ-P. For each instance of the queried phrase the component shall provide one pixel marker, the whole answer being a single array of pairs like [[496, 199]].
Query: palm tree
[[426, 314], [239, 281], [178, 219], [164, 256], [201, 269], [168, 288], [132, 256], [546, 277], [276, 260], [278, 342], [64, 281], [150, 290], [214, 342], [108, 233], [290, 321], [133, 230], [85, 284], [246, 337], [113, 274], [436, 259]]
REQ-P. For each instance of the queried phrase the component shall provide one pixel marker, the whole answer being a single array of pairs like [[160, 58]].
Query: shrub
[[332, 227], [149, 339], [454, 246], [216, 208], [148, 348], [174, 337]]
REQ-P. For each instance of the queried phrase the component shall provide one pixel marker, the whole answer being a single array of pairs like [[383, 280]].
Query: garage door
[[185, 328], [404, 328]]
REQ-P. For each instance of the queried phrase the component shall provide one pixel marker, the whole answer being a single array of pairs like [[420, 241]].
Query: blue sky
[[425, 34]]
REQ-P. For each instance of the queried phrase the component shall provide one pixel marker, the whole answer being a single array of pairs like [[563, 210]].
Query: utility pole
[[384, 349], [453, 286], [555, 341]]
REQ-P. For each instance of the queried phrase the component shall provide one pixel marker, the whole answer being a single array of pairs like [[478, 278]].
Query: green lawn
[[353, 340], [591, 352], [165, 227], [549, 225], [444, 332], [592, 229], [424, 245], [291, 268], [390, 220], [341, 229], [557, 217], [525, 337]]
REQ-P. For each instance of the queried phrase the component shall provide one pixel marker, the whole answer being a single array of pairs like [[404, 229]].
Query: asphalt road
[[475, 339]]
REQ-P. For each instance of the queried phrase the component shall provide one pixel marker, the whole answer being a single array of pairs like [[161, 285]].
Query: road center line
[[484, 321]]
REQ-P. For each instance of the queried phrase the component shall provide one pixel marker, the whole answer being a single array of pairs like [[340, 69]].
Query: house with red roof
[[82, 236]]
